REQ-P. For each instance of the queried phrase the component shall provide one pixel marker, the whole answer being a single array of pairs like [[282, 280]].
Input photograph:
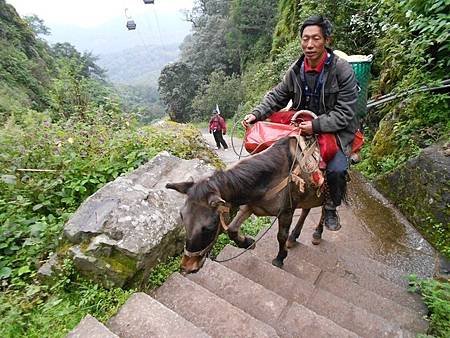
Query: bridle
[[223, 227]]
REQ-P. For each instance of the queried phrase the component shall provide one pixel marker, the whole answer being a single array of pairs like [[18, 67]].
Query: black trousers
[[219, 139]]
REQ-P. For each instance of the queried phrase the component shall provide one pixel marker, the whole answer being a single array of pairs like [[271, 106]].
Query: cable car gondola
[[131, 25], [148, 2]]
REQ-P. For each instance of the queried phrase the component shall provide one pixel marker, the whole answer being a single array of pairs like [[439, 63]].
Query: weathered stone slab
[[89, 327], [373, 302], [142, 316], [243, 293], [272, 278], [128, 226], [209, 312], [301, 322]]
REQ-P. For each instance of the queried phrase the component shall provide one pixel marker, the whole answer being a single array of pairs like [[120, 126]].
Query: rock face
[[128, 226], [421, 190]]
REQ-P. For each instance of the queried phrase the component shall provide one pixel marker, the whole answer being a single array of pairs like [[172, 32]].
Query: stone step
[[373, 302], [264, 304], [89, 327], [209, 312], [299, 321], [329, 256], [240, 291], [343, 313], [142, 316], [267, 249], [406, 317]]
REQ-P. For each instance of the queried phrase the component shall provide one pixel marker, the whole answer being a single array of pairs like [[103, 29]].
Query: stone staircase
[[322, 291]]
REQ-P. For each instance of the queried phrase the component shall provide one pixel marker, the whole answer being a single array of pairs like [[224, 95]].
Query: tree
[[177, 87], [207, 50], [252, 22], [37, 25], [220, 89]]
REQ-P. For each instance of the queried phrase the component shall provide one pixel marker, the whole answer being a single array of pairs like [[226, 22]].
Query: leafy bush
[[436, 296], [43, 311]]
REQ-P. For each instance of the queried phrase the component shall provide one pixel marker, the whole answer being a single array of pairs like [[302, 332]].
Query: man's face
[[313, 44]]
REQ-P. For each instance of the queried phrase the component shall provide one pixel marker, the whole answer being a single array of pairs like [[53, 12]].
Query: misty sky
[[99, 25], [91, 13]]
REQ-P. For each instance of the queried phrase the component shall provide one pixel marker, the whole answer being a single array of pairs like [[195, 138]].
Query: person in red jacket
[[218, 128]]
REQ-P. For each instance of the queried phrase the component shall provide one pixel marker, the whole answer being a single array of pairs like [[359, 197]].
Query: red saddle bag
[[263, 134]]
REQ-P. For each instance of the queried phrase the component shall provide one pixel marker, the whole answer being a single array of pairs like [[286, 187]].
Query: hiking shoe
[[332, 220]]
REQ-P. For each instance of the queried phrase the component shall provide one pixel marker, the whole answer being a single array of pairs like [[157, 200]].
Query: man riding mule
[[273, 182], [322, 82]]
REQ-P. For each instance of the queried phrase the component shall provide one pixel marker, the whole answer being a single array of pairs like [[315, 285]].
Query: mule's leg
[[235, 225], [284, 222], [292, 240], [317, 235]]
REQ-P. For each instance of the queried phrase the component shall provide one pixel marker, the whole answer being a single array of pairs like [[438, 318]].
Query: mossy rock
[[420, 188]]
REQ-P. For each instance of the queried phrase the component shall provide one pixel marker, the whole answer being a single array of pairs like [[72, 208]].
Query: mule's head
[[201, 219]]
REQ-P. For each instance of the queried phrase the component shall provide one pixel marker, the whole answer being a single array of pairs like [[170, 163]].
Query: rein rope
[[250, 246]]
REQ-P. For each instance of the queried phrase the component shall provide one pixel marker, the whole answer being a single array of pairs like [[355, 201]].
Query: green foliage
[[287, 26], [252, 23], [24, 64], [355, 25], [44, 311], [415, 44], [420, 121], [259, 78], [162, 271], [219, 89], [436, 296], [177, 87], [37, 25], [141, 101]]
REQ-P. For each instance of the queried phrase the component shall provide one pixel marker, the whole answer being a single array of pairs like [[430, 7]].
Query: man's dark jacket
[[337, 99]]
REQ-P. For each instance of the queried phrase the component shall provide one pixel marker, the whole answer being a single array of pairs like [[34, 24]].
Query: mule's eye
[[207, 229]]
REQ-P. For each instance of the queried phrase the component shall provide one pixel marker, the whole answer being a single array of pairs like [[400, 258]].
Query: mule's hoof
[[316, 241], [278, 263], [317, 238], [291, 243], [250, 243]]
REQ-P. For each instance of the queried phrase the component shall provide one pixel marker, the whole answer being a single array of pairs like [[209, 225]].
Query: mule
[[266, 184]]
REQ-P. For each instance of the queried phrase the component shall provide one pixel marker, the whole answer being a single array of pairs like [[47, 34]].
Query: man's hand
[[306, 127], [248, 119]]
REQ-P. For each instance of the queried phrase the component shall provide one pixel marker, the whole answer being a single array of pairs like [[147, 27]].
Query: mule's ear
[[216, 201], [181, 187]]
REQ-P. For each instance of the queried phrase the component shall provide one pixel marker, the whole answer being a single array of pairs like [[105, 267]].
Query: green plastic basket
[[362, 72]]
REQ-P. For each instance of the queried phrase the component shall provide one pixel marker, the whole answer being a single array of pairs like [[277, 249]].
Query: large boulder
[[127, 227], [421, 190]]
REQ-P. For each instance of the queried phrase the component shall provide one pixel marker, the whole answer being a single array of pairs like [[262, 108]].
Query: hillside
[[26, 66], [139, 65]]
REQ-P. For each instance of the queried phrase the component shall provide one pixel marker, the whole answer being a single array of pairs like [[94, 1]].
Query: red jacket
[[217, 123]]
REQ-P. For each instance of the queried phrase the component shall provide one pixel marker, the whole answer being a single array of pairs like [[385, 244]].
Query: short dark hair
[[318, 20]]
